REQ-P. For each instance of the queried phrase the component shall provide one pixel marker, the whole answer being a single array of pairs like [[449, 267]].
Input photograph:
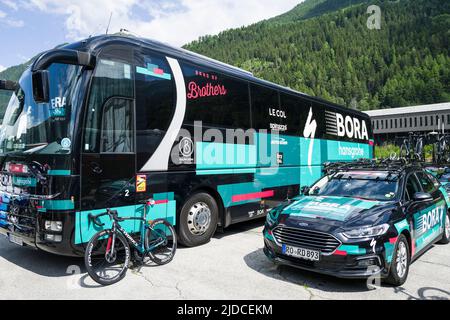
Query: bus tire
[[198, 220]]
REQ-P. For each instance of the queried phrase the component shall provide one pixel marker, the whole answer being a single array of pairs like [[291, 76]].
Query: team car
[[361, 220], [442, 173]]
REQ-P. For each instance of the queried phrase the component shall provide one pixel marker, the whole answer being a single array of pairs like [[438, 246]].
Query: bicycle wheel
[[103, 267], [404, 152], [162, 235], [419, 149]]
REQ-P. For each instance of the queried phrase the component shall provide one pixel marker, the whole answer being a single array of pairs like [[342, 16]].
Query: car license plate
[[15, 240], [301, 253]]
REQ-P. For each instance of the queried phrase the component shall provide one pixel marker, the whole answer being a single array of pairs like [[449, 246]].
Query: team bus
[[115, 120]]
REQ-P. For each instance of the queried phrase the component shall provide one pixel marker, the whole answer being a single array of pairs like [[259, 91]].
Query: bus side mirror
[[41, 90]]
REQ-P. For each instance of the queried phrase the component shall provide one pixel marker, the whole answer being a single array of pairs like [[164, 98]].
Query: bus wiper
[[38, 147]]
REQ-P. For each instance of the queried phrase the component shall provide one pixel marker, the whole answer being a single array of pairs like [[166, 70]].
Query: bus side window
[[155, 102], [117, 135], [217, 100]]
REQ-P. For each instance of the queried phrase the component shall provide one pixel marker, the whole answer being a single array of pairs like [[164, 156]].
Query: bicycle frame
[[138, 246]]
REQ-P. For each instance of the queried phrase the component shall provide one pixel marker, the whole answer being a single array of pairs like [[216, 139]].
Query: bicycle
[[441, 149], [107, 256], [412, 147]]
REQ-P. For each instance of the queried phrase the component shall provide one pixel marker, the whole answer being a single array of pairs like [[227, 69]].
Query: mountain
[[13, 74], [324, 48], [313, 8]]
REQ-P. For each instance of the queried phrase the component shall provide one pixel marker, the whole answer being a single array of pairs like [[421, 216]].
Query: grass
[[383, 152]]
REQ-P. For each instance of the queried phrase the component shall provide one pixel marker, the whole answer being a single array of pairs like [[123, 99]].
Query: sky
[[28, 27]]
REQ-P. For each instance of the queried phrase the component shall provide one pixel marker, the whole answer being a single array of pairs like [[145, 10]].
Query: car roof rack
[[393, 166]]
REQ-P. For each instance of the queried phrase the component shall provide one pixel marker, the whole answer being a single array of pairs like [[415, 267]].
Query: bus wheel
[[198, 220]]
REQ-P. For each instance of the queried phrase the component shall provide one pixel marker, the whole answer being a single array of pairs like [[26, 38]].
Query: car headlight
[[366, 232]]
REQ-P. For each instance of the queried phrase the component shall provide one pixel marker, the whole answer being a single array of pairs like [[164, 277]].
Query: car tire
[[446, 236], [400, 263], [198, 220]]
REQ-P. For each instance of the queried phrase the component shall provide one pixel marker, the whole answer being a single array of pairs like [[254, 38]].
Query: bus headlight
[[55, 226], [367, 232]]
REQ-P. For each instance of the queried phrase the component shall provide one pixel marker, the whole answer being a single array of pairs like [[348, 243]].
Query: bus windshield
[[47, 128]]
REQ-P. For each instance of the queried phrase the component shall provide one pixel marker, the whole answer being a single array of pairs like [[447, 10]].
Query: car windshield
[[46, 128], [370, 186]]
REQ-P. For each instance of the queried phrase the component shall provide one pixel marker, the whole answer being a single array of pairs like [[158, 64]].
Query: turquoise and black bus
[[113, 121]]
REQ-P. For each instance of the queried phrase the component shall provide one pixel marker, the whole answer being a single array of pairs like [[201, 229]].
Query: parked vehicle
[[108, 253], [361, 220], [111, 120]]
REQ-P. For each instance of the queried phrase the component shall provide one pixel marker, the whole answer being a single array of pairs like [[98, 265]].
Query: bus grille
[[307, 239]]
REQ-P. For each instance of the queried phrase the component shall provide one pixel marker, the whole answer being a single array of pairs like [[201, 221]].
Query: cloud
[[6, 20], [2, 68], [10, 4], [176, 21]]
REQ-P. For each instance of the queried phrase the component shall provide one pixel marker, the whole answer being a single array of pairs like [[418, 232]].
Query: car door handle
[[96, 168]]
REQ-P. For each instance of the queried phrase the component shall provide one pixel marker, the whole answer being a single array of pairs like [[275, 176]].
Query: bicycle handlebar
[[113, 215]]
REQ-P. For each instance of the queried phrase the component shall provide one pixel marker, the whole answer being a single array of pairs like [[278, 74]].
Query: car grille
[[307, 239]]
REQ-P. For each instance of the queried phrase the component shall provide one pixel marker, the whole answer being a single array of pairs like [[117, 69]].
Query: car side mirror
[[422, 197], [41, 91], [305, 190]]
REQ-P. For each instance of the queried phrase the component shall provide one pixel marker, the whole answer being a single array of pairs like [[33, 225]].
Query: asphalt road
[[231, 266]]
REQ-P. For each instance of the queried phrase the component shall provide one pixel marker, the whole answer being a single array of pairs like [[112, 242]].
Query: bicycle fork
[[110, 255]]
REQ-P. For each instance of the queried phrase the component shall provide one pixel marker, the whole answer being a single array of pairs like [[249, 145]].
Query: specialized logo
[[350, 127], [373, 245], [310, 132]]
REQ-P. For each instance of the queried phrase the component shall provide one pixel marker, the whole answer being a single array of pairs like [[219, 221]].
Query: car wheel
[[198, 220], [446, 236], [400, 263]]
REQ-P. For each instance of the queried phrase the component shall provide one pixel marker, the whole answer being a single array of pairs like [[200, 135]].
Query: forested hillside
[[324, 48], [12, 73]]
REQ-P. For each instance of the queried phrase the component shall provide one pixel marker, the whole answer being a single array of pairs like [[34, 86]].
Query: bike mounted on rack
[[393, 166], [412, 151]]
